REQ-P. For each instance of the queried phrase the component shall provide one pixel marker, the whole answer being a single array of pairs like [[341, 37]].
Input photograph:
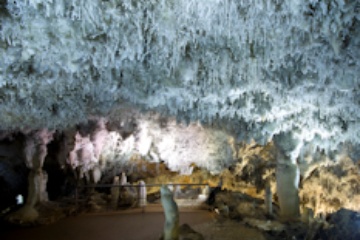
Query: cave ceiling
[[255, 68]]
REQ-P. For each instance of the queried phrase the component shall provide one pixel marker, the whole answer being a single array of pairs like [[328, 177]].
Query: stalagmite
[[307, 215], [177, 191], [96, 174], [115, 193], [171, 211], [142, 195], [287, 181], [287, 175], [205, 192], [268, 199], [37, 187], [123, 179]]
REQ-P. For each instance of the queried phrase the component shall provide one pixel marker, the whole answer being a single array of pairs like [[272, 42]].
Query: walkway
[[132, 225], [125, 225]]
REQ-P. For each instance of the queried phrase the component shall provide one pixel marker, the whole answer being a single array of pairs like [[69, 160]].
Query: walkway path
[[126, 225], [131, 225]]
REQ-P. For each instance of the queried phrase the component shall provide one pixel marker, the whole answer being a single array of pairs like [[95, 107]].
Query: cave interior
[[258, 100]]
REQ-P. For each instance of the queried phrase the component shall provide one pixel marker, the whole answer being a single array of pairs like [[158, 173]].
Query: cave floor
[[132, 225]]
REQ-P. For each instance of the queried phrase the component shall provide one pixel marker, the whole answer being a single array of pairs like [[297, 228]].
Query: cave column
[[35, 152], [287, 184], [287, 175]]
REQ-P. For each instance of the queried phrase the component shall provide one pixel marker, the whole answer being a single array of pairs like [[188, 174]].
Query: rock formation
[[115, 193], [35, 153], [171, 226], [142, 195], [268, 200]]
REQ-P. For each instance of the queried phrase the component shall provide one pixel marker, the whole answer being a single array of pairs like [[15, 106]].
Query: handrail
[[146, 185], [133, 186]]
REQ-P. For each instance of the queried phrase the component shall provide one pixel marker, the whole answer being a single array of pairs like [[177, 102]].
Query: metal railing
[[186, 194]]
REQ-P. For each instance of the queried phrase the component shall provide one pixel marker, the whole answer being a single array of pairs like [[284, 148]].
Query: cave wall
[[137, 145]]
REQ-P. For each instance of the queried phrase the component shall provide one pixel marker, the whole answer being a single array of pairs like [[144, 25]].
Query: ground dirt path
[[130, 225]]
